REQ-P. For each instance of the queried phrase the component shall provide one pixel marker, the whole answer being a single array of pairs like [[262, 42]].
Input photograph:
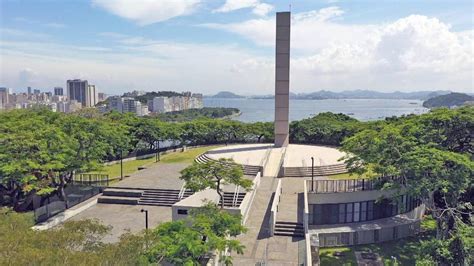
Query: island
[[453, 99]]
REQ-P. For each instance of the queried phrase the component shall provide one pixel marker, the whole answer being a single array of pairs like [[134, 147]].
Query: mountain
[[227, 94], [448, 100], [359, 94]]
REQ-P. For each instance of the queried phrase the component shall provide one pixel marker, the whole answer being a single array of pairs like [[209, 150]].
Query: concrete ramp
[[273, 163]]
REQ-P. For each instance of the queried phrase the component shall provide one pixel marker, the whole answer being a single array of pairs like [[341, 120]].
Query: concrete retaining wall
[[274, 209]]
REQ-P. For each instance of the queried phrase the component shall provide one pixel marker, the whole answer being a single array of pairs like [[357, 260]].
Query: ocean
[[254, 110]]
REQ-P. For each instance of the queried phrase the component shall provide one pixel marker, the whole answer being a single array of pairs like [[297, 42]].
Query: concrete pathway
[[260, 247], [291, 207], [159, 175], [275, 157]]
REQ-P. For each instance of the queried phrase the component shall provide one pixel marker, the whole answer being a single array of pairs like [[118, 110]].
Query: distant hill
[[226, 94], [448, 100], [369, 94], [359, 94]]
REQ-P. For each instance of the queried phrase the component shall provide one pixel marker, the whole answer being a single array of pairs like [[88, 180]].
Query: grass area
[[403, 250], [369, 174], [131, 167], [185, 157], [347, 176]]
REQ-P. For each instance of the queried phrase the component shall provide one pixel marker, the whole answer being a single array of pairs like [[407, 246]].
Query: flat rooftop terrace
[[295, 156]]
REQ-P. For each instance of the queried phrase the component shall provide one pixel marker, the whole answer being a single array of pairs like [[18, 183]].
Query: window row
[[354, 212]]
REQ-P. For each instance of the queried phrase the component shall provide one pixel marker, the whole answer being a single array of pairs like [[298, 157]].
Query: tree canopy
[[433, 156], [214, 175]]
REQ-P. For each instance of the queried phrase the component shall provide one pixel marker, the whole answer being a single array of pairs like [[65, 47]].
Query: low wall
[[308, 256], [247, 202], [181, 209], [274, 209], [377, 231]]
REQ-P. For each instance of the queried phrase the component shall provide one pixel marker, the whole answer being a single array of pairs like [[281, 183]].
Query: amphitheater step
[[122, 192], [118, 200], [291, 229]]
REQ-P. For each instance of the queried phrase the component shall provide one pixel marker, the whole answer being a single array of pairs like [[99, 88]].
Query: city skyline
[[228, 45]]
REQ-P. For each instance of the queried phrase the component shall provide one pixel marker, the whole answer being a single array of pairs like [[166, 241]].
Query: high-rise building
[[81, 91], [36, 91], [58, 91], [4, 96], [29, 90]]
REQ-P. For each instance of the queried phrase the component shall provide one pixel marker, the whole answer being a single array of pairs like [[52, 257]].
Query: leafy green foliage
[[186, 242], [324, 128], [74, 243], [432, 154], [214, 174]]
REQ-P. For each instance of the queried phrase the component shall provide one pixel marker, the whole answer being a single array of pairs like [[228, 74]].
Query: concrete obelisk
[[282, 78]]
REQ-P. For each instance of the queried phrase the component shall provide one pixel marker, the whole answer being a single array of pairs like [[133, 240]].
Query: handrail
[[235, 198], [181, 191]]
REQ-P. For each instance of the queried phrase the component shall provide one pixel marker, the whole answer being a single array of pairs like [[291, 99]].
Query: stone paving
[[124, 218], [291, 207], [260, 247], [159, 175]]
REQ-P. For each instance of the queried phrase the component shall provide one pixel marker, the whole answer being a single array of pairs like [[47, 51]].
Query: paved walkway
[[159, 175], [125, 218], [291, 207], [272, 167], [260, 247]]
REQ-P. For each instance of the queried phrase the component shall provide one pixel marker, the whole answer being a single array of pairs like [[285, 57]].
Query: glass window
[[342, 213], [363, 211], [356, 212], [333, 213], [349, 212], [370, 210], [317, 217]]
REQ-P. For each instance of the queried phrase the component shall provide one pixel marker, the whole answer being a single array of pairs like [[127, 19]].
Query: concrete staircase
[[229, 198], [161, 197], [291, 229], [141, 196], [318, 170], [248, 169]]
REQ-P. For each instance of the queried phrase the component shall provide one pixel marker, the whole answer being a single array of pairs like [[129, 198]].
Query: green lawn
[[131, 167], [185, 157], [403, 249], [370, 173], [347, 176]]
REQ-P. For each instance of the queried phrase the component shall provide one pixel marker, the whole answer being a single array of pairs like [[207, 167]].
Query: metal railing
[[98, 180], [181, 191], [347, 185], [236, 196]]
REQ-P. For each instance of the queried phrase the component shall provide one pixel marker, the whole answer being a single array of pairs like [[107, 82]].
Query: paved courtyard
[[158, 175], [124, 218]]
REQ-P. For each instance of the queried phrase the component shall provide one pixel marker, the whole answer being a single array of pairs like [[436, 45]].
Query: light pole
[[312, 174], [146, 226], [121, 165], [146, 218]]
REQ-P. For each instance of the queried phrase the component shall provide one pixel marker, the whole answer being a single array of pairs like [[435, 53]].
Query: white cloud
[[146, 12], [262, 9], [55, 25], [415, 52], [258, 8], [411, 53]]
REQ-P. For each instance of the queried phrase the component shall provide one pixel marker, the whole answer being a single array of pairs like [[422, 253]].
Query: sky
[[216, 45]]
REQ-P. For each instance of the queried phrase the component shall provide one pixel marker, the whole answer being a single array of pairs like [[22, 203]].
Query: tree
[[430, 155], [324, 128], [73, 243], [214, 174], [40, 151], [186, 242]]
